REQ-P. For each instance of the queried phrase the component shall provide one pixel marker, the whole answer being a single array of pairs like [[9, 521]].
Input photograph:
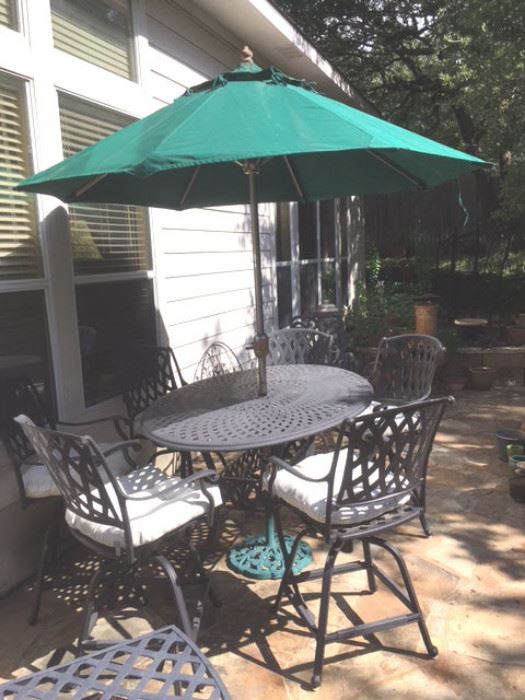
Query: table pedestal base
[[261, 556]]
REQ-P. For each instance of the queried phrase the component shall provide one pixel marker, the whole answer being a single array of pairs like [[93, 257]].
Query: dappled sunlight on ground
[[469, 577]]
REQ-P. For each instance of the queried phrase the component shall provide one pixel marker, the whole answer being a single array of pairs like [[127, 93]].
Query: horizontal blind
[[104, 237], [98, 31], [19, 248], [7, 13]]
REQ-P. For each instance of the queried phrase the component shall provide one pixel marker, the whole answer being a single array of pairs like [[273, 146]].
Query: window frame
[[30, 55], [91, 278], [295, 262], [133, 48], [18, 24]]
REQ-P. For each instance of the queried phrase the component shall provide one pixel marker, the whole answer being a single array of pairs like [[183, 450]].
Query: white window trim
[[30, 55], [295, 263]]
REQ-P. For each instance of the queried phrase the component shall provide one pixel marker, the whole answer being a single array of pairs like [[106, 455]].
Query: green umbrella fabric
[[312, 147]]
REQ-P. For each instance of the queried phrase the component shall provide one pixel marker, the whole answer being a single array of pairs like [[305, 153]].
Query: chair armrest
[[118, 421], [124, 445], [163, 488], [125, 448], [277, 463]]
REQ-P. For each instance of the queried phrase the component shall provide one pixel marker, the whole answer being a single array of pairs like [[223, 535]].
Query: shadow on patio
[[468, 576]]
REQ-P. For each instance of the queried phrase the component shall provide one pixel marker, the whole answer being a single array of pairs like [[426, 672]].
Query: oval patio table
[[225, 414]]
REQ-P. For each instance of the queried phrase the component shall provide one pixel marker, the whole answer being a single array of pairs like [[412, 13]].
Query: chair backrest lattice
[[405, 366], [332, 325], [20, 395], [387, 455], [300, 346], [146, 374], [217, 359], [81, 474]]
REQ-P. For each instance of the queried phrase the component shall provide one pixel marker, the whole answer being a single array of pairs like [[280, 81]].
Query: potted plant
[[426, 311]]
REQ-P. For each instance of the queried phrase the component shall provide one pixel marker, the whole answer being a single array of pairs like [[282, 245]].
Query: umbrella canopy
[[293, 144], [185, 155]]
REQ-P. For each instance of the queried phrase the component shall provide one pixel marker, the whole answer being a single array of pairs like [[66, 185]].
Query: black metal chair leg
[[178, 596], [90, 614], [199, 566], [288, 558], [372, 585], [323, 614], [49, 546], [424, 524], [431, 649]]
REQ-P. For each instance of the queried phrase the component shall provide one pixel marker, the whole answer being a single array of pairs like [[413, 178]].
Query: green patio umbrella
[[251, 135]]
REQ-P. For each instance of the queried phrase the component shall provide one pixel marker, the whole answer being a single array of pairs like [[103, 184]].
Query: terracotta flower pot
[[426, 318]]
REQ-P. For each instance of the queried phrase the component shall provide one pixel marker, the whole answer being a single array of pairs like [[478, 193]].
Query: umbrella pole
[[260, 342]]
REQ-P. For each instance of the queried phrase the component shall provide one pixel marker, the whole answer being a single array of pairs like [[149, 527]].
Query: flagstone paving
[[469, 577]]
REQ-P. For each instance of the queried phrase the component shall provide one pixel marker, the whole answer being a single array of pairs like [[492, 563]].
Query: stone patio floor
[[469, 577]]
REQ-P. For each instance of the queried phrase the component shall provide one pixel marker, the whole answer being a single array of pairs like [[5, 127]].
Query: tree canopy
[[453, 70]]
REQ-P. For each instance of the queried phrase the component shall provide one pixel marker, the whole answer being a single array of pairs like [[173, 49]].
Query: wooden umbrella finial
[[246, 55]]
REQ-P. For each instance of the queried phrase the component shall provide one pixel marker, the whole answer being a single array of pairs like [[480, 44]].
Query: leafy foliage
[[450, 69], [380, 311]]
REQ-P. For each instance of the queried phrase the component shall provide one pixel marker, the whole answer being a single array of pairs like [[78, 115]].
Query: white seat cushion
[[311, 497], [39, 484], [150, 518]]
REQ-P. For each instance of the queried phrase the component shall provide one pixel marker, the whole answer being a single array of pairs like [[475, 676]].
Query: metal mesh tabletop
[[162, 664], [225, 414]]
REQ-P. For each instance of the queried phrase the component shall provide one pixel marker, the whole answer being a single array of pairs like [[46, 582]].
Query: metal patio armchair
[[240, 477], [404, 368], [403, 371], [146, 373], [292, 346], [334, 327], [125, 520], [35, 484], [217, 359], [366, 488]]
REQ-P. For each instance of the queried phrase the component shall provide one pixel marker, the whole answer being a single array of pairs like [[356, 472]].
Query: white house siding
[[202, 259]]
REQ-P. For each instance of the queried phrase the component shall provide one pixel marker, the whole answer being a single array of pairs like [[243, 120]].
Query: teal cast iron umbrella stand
[[261, 556]]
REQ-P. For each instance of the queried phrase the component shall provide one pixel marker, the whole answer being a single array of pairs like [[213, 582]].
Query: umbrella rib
[[294, 177], [386, 161], [189, 185], [91, 183]]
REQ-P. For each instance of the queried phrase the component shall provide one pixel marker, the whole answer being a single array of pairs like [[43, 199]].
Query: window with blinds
[[8, 13], [19, 247], [104, 237], [97, 31]]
